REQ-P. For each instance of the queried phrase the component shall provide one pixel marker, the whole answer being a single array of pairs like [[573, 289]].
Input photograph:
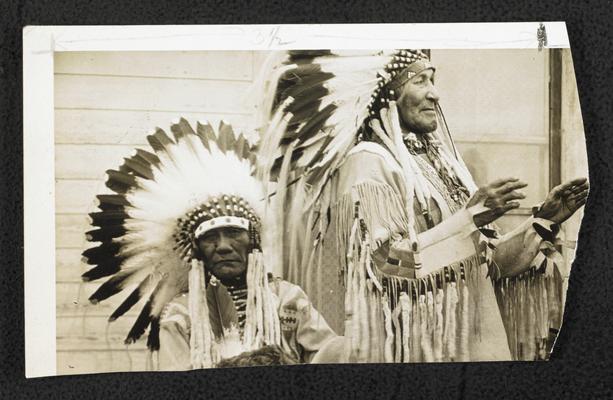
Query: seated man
[[185, 224], [225, 251]]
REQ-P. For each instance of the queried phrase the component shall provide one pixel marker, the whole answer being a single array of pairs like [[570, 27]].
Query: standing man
[[378, 189]]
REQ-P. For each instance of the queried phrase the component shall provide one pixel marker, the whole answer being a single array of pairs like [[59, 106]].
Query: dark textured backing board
[[581, 365]]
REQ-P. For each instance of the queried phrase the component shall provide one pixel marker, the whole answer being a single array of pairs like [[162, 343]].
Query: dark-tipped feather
[[111, 287], [300, 72], [107, 233], [101, 253], [145, 316], [181, 129], [304, 114], [206, 133], [252, 158], [104, 269], [132, 299], [320, 153], [276, 166], [153, 339], [159, 140], [109, 202], [108, 217], [147, 157], [300, 89], [136, 166], [296, 56], [140, 325], [312, 127], [293, 78], [120, 182], [311, 96], [315, 174], [241, 147], [226, 138]]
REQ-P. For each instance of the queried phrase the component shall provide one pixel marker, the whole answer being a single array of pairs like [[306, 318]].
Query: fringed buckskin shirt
[[304, 332]]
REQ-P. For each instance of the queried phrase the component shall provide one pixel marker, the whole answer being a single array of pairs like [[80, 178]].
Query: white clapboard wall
[[496, 104]]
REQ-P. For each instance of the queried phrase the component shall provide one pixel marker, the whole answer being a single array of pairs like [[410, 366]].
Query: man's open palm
[[563, 200]]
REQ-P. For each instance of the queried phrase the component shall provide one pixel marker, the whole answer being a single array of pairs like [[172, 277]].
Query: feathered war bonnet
[[164, 200], [318, 103]]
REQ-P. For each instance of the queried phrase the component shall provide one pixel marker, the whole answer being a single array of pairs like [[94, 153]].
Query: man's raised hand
[[563, 200], [499, 197]]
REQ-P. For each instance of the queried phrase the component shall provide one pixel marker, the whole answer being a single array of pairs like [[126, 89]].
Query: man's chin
[[427, 127], [422, 127]]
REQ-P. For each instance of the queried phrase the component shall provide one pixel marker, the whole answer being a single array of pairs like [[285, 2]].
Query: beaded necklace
[[431, 147], [239, 298]]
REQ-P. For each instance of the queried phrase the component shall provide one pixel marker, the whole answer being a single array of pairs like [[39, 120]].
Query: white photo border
[[40, 43]]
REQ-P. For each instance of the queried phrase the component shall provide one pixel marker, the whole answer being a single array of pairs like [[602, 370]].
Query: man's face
[[225, 252], [416, 103]]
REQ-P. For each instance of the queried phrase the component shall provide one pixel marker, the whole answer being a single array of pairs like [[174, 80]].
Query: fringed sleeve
[[370, 177], [526, 267]]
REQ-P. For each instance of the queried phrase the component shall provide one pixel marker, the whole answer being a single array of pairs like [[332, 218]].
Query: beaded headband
[[217, 212], [221, 222]]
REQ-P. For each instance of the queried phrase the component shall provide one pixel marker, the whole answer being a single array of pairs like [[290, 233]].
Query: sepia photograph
[[226, 207]]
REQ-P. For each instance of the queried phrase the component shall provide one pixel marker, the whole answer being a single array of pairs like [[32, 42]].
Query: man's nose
[[432, 93], [223, 244]]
